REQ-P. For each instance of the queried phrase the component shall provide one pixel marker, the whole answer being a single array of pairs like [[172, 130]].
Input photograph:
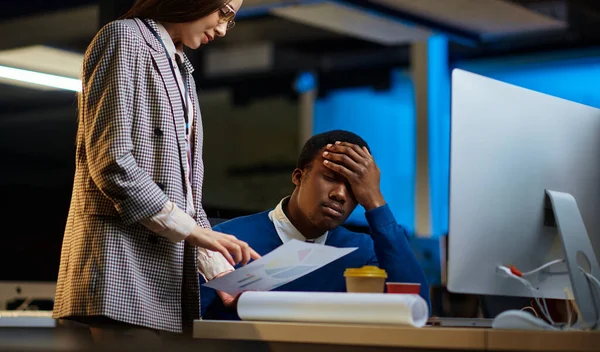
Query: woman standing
[[129, 258]]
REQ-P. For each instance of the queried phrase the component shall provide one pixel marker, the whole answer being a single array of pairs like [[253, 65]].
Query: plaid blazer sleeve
[[108, 77]]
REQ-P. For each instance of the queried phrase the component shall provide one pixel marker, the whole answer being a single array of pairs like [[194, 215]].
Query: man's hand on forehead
[[357, 165]]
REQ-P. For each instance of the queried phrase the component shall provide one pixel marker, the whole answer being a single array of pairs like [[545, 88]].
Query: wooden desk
[[266, 336]]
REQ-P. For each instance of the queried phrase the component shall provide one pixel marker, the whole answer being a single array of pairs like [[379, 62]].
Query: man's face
[[323, 196]]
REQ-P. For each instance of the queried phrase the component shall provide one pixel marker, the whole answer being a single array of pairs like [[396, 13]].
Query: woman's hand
[[228, 300], [224, 244]]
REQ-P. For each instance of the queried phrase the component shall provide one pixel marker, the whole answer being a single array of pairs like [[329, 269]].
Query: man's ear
[[297, 177]]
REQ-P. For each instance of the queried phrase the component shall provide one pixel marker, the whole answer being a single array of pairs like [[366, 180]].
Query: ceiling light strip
[[39, 78]]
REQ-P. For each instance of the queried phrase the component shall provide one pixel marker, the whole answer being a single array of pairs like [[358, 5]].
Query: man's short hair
[[317, 142]]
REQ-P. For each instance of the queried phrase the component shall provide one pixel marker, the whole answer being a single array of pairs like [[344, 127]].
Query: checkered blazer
[[129, 161]]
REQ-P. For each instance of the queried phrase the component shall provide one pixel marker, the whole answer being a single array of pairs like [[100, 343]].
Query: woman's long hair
[[174, 11]]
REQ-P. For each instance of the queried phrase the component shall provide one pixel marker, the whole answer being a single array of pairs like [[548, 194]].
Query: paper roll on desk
[[333, 307]]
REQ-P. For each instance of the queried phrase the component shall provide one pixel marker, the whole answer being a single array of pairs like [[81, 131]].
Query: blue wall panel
[[571, 75], [438, 83]]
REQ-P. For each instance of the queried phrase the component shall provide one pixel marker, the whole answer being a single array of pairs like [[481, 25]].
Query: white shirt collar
[[166, 38], [285, 229]]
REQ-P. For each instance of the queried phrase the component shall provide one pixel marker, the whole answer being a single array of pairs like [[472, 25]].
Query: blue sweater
[[386, 247]]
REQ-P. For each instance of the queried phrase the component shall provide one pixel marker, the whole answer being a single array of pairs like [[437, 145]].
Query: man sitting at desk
[[335, 172]]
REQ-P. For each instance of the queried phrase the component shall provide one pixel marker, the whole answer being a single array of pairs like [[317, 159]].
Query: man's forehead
[[319, 156]]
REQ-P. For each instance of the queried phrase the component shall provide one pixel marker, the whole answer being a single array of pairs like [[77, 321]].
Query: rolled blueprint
[[333, 307]]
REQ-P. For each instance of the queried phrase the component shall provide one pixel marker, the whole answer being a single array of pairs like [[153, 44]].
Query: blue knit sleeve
[[393, 251]]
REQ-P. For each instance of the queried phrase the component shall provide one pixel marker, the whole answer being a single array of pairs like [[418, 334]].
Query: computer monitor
[[26, 293], [521, 163]]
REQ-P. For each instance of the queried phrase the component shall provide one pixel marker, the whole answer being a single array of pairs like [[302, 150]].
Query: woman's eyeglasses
[[227, 14]]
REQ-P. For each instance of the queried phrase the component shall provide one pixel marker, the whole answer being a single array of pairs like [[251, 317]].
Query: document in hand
[[285, 264]]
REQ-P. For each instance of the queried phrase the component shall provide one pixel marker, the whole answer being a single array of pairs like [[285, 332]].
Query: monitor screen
[[509, 145]]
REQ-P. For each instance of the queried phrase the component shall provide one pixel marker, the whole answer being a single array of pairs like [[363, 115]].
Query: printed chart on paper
[[285, 264]]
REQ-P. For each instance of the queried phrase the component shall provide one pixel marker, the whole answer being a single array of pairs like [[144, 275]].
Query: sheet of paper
[[285, 264]]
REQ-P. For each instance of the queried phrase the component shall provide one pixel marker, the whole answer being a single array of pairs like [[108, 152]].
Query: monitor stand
[[578, 250]]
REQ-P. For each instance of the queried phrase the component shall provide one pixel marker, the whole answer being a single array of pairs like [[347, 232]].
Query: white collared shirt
[[286, 230], [166, 38]]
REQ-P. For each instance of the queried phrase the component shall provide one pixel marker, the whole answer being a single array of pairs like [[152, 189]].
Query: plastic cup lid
[[365, 271]]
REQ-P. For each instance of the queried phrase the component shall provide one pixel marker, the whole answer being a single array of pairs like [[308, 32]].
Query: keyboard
[[461, 322]]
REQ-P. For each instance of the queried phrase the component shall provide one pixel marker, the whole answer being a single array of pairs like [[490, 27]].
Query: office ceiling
[[489, 19], [281, 37], [72, 22]]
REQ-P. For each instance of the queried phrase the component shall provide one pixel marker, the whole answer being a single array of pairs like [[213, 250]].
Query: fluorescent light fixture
[[41, 79], [41, 67]]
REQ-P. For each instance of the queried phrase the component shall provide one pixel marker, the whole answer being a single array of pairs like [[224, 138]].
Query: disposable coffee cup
[[368, 279]]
